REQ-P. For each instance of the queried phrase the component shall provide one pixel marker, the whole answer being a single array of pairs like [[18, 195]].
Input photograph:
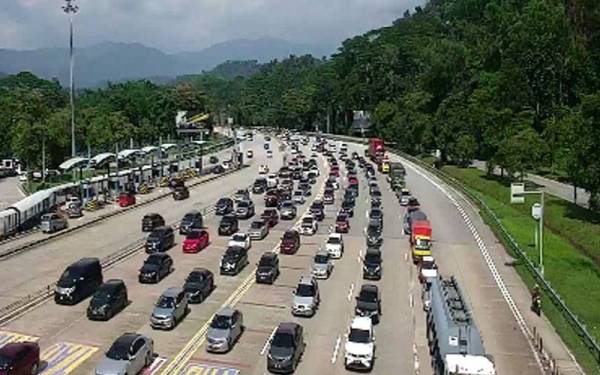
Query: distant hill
[[95, 65], [232, 69]]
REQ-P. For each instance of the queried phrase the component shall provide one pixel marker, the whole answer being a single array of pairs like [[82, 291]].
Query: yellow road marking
[[63, 358]]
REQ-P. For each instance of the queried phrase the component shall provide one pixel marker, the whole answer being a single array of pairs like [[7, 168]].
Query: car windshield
[[367, 296], [243, 204], [223, 201], [376, 193], [359, 335], [298, 193], [153, 260], [375, 213], [334, 241], [428, 265], [287, 204], [69, 275], [194, 235], [195, 277], [282, 340], [374, 257], [305, 290], [233, 252], [265, 262], [189, 217], [166, 302], [228, 220], [238, 238], [288, 236], [257, 225], [241, 192], [220, 322], [307, 220], [321, 259], [119, 350], [101, 297], [341, 219]]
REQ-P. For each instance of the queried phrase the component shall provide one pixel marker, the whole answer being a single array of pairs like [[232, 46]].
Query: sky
[[189, 25]]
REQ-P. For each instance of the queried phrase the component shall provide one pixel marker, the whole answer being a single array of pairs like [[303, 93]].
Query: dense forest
[[513, 82]]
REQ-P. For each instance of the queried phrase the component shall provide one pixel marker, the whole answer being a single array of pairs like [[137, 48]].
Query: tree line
[[512, 82]]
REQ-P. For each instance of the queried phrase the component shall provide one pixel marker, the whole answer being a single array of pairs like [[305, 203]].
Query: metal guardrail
[[588, 339]]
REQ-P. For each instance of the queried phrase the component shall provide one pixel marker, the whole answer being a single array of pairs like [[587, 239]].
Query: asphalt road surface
[[73, 344]]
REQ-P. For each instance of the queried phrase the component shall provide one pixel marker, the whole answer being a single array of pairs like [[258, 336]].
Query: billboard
[[361, 122], [190, 122]]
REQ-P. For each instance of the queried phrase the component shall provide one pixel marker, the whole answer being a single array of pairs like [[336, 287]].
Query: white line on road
[[411, 301], [264, 349], [406, 257], [336, 349], [350, 292]]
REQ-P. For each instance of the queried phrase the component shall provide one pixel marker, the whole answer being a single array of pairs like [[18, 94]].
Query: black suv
[[349, 197], [181, 193], [234, 260], [259, 186], [372, 264], [156, 267], [199, 284], [151, 221], [286, 348], [268, 268], [228, 225], [348, 208], [368, 302], [376, 216], [317, 210], [374, 238], [192, 220], [224, 206], [108, 300], [161, 239]]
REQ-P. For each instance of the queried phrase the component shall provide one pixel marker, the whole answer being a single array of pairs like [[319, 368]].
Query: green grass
[[570, 262]]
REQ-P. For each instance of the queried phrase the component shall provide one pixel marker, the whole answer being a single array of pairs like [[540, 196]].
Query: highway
[[73, 344]]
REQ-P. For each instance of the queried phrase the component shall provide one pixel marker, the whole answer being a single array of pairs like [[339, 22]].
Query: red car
[[352, 181], [271, 217], [271, 200], [126, 199], [342, 225], [195, 241], [290, 243], [19, 358]]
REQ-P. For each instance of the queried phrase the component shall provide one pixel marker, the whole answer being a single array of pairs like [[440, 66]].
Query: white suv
[[309, 225], [360, 345], [335, 245], [240, 240]]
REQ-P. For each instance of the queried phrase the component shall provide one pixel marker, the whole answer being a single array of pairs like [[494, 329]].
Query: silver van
[[53, 222], [170, 309], [306, 297], [225, 329]]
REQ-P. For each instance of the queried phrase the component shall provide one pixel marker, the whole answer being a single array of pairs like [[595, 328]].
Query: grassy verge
[[570, 262]]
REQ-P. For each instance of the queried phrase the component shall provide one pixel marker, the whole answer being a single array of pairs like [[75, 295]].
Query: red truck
[[420, 239], [376, 150]]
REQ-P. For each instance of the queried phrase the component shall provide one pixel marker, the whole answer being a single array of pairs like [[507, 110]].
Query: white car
[[298, 197], [359, 350], [428, 269], [240, 239], [309, 225], [316, 170], [335, 245], [272, 181], [263, 169]]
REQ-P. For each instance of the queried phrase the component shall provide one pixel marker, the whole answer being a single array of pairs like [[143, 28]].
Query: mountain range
[[109, 61]]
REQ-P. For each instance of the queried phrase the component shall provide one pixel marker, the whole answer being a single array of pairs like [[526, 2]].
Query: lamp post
[[70, 8], [517, 195]]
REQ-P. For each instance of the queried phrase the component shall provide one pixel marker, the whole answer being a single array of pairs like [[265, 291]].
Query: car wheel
[[34, 368], [148, 360]]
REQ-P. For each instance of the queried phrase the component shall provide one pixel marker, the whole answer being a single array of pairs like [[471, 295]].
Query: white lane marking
[[406, 257], [411, 301], [336, 349], [264, 348], [350, 292], [416, 359], [488, 260], [358, 259]]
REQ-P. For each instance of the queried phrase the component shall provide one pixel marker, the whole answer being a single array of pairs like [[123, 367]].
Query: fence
[[588, 340]]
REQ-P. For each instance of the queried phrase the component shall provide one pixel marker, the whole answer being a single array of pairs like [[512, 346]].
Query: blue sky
[[180, 25]]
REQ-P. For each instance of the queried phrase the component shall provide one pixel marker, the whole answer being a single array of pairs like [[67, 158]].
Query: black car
[[372, 264], [218, 169], [347, 208], [151, 221], [213, 160], [224, 206], [156, 267], [181, 193], [376, 216], [108, 300], [328, 196], [161, 239], [374, 237], [234, 260], [259, 186], [192, 220], [228, 225], [267, 268], [368, 302], [376, 196], [78, 281], [286, 348], [317, 209], [349, 196], [306, 189], [199, 284], [375, 204]]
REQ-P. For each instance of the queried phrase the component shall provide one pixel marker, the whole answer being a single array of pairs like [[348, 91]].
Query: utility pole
[[71, 9], [44, 158]]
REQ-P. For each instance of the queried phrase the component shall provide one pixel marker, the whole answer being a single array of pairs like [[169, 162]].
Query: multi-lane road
[[72, 344]]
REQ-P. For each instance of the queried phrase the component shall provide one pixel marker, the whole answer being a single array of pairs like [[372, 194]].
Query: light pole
[[71, 9], [517, 195]]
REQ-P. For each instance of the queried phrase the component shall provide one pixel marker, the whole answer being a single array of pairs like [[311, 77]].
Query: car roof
[[322, 252], [373, 250], [306, 280], [127, 339], [112, 283], [335, 235], [269, 255], [362, 323], [369, 288], [84, 262], [200, 270], [163, 228], [287, 327], [158, 255], [193, 212], [226, 311], [172, 291], [11, 349], [152, 214]]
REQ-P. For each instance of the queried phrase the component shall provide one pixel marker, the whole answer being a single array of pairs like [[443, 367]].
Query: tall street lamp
[[70, 8]]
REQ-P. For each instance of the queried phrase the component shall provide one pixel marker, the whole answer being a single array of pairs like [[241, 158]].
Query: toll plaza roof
[[149, 149], [168, 146], [100, 159], [199, 143], [75, 162], [126, 154]]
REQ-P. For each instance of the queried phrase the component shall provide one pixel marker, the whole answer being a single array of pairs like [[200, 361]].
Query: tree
[[465, 149]]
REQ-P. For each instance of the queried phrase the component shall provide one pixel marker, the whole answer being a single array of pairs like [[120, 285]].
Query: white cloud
[[175, 25]]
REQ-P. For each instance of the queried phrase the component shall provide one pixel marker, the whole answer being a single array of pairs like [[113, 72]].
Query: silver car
[[170, 308], [322, 265], [128, 355], [224, 331], [53, 222], [258, 230], [306, 297]]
